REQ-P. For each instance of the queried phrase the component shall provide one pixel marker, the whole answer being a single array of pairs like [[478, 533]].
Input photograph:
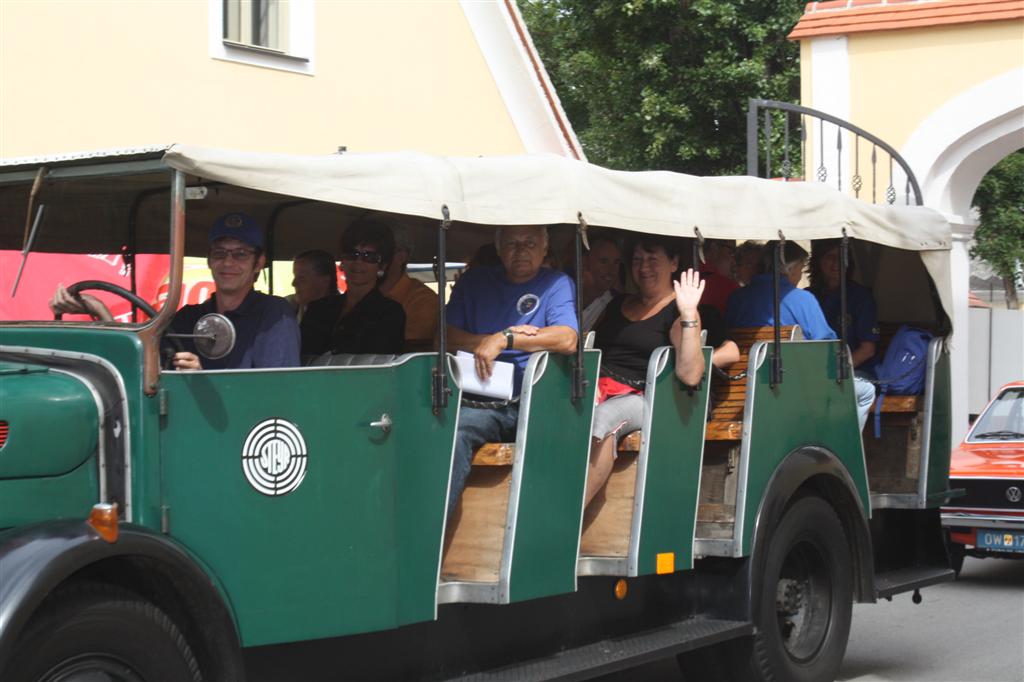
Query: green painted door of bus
[[315, 519]]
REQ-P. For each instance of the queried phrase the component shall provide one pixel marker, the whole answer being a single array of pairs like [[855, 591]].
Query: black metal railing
[[782, 130]]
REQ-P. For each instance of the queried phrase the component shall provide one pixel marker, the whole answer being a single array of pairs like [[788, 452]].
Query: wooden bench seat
[[729, 397], [501, 454]]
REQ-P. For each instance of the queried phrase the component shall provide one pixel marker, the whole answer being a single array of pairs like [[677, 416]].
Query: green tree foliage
[[1000, 236], [664, 84]]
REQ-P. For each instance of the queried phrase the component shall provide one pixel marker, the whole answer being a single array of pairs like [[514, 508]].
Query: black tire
[[103, 633], [805, 599]]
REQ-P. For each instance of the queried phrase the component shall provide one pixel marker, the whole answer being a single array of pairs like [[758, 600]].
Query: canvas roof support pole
[[128, 251], [439, 387], [271, 225], [150, 334], [698, 248], [841, 366], [775, 362], [579, 384]]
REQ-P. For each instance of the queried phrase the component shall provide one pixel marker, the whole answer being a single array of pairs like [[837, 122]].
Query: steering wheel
[[93, 284]]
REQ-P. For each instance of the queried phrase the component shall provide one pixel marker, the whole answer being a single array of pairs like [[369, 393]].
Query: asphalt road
[[971, 630]]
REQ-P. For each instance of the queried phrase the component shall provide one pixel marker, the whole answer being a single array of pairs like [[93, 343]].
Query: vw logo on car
[[1013, 494]]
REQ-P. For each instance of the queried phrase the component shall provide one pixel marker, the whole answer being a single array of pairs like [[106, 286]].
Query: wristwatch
[[688, 323], [509, 335]]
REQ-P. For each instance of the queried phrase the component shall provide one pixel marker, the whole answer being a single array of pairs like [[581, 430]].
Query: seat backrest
[[352, 359], [728, 396]]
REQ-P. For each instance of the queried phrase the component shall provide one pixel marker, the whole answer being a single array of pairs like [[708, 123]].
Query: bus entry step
[[619, 653], [906, 579]]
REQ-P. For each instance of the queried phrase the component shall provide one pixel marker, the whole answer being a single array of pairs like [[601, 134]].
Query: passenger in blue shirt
[[266, 333], [861, 311], [505, 313], [753, 306]]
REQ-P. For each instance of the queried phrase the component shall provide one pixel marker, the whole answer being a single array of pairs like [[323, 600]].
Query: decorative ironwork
[[763, 138]]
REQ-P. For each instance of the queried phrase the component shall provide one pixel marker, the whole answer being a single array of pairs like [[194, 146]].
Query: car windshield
[[1004, 418]]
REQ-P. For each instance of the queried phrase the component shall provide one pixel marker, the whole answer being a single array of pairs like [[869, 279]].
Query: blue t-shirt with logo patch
[[484, 302], [862, 316]]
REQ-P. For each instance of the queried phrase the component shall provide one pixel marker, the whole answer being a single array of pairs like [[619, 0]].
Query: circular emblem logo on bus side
[[274, 457], [1013, 494], [527, 303]]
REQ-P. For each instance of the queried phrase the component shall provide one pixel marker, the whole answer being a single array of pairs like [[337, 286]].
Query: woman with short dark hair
[[362, 320], [663, 312]]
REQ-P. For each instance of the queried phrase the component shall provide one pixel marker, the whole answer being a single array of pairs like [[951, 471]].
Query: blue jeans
[[476, 427]]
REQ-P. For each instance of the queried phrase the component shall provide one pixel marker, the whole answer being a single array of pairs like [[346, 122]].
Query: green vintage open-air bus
[[743, 520]]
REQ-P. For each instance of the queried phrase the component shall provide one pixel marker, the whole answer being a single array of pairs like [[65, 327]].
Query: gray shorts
[[623, 414]]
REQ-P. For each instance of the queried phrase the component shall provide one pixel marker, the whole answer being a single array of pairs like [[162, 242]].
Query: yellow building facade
[[942, 81], [448, 77]]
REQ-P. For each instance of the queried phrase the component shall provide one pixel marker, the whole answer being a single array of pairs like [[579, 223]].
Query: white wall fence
[[996, 353]]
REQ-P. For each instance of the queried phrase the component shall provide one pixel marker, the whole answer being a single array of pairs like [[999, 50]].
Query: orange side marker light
[[103, 518], [666, 563], [621, 588]]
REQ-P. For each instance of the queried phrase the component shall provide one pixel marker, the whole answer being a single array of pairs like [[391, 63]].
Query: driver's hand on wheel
[[83, 304], [186, 361]]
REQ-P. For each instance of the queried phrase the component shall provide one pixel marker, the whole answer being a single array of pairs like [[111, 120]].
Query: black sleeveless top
[[626, 345]]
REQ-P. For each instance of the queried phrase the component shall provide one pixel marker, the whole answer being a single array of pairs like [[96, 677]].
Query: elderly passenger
[[663, 312], [314, 276], [362, 320], [506, 312]]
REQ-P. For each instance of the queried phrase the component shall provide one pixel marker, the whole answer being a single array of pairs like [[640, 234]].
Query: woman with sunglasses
[[362, 320]]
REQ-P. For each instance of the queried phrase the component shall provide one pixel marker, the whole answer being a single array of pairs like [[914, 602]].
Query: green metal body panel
[[547, 530], [123, 350], [53, 421], [940, 445], [45, 498], [356, 546], [673, 469], [809, 408]]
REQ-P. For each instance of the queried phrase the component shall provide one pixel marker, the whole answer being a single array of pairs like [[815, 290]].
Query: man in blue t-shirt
[[753, 306], [505, 313]]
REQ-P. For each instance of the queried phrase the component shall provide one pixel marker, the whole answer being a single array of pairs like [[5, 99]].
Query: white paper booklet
[[498, 386]]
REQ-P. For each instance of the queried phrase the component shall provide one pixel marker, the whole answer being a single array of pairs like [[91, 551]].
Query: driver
[[266, 333]]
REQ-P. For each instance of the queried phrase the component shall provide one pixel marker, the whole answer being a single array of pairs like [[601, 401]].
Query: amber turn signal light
[[103, 518], [621, 589]]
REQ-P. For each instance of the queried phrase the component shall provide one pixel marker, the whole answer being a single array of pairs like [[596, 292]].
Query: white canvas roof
[[549, 189]]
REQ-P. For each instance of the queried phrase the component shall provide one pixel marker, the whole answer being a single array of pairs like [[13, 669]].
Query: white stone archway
[[950, 152]]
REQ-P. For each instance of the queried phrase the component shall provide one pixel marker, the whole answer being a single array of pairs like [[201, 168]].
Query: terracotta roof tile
[[839, 17]]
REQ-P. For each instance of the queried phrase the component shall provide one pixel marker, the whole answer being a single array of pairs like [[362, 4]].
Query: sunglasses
[[365, 256], [234, 254]]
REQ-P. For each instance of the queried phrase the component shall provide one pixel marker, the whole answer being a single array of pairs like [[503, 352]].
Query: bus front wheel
[[802, 614], [102, 632]]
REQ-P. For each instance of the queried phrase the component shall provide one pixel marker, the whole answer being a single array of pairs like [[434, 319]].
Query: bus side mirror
[[214, 336]]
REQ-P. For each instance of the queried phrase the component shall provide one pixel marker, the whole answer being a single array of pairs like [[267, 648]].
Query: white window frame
[[298, 58]]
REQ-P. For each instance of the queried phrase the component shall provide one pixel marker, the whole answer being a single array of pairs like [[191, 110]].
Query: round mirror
[[214, 336]]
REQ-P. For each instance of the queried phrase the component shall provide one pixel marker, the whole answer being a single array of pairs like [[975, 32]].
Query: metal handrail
[[753, 140]]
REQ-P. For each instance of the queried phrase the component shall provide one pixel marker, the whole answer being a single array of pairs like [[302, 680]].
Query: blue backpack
[[902, 370]]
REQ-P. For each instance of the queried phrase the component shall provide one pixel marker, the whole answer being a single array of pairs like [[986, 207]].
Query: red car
[[989, 520]]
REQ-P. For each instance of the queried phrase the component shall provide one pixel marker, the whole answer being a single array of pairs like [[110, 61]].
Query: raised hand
[[689, 289]]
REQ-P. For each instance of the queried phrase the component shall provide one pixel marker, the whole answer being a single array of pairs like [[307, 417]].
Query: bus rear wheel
[[101, 632], [803, 611]]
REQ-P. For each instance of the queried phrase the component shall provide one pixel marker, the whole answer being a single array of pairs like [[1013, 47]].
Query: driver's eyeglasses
[[234, 254], [365, 256]]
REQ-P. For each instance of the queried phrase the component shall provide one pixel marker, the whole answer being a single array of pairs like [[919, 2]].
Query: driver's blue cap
[[237, 226]]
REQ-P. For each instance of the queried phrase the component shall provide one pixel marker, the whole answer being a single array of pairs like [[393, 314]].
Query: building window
[[257, 23], [276, 34]]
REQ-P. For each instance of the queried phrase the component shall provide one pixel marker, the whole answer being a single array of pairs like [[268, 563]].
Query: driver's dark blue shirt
[[266, 333]]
